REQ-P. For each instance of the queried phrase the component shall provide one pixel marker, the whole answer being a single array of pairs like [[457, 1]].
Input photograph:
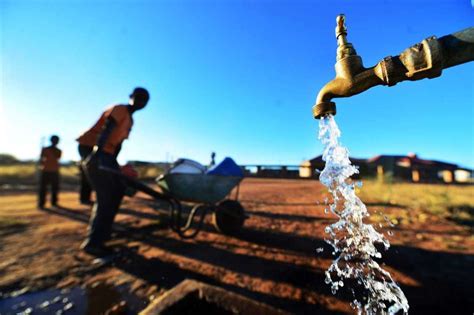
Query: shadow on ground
[[445, 279]]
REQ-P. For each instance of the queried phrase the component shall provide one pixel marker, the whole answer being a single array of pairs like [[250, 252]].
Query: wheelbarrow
[[206, 193]]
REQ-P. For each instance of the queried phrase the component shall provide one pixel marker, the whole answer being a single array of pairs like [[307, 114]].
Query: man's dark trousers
[[86, 189], [109, 193], [48, 179]]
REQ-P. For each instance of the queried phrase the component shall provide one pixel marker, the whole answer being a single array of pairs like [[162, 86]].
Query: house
[[402, 167], [464, 175], [412, 168]]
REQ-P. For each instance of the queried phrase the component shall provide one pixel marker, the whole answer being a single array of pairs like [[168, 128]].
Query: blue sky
[[235, 77]]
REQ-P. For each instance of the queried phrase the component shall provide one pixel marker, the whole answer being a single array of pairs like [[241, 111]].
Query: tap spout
[[423, 60], [344, 87]]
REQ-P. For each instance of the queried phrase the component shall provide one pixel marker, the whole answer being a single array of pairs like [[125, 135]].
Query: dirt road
[[273, 260]]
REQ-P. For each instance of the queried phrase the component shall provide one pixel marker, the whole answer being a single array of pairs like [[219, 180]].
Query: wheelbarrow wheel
[[228, 216]]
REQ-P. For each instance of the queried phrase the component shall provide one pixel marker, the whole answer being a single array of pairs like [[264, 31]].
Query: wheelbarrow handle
[[175, 206], [136, 184]]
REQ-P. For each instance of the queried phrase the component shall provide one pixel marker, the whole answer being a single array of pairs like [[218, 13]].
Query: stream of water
[[354, 241]]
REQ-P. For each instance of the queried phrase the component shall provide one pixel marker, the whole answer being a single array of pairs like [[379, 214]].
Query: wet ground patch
[[98, 298]]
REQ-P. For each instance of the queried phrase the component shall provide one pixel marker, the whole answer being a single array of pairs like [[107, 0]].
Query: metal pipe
[[458, 48], [426, 59]]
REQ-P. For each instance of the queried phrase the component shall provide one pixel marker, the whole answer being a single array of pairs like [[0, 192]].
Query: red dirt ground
[[273, 259]]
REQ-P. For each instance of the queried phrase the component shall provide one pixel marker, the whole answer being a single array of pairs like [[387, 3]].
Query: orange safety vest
[[121, 131], [50, 159]]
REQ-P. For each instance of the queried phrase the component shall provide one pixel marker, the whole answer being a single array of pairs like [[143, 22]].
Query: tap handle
[[341, 29]]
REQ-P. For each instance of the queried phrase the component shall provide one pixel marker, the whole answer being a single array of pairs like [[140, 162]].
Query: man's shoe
[[95, 249]]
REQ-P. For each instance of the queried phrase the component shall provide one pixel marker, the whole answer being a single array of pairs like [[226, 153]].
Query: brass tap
[[423, 60], [350, 73]]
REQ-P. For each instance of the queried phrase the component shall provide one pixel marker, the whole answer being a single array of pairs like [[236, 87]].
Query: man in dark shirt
[[112, 128], [49, 176]]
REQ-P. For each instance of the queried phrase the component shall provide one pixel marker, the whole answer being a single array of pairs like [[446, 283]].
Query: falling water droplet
[[351, 238], [68, 306]]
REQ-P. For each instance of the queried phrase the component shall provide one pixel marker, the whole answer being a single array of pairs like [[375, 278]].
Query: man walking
[[112, 128], [49, 176]]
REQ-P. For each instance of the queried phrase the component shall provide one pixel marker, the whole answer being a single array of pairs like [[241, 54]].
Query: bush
[[7, 159]]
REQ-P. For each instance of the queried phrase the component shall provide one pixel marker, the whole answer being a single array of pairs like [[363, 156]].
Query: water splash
[[354, 241]]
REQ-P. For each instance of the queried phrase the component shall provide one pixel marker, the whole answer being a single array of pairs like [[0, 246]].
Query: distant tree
[[7, 159]]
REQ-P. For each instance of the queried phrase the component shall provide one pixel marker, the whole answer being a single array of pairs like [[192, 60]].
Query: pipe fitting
[[426, 59], [423, 60], [420, 61]]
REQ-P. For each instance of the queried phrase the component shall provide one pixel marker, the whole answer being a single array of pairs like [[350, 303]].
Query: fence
[[274, 171]]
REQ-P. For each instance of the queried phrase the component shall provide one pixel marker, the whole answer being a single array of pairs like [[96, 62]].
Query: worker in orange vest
[[112, 128], [49, 176]]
